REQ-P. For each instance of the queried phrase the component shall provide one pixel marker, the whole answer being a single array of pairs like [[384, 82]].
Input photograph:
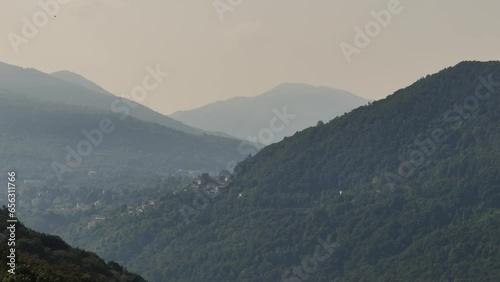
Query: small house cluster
[[212, 184]]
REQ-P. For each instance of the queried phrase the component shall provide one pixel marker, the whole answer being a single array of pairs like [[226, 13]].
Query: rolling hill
[[270, 117]]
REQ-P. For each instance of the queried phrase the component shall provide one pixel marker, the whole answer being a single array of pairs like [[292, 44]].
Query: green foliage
[[46, 258]]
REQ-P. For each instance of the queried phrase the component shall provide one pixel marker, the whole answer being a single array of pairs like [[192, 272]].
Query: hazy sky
[[258, 45]]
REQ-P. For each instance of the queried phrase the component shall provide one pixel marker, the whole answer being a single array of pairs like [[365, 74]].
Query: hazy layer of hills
[[35, 134], [73, 89], [405, 189], [273, 115], [46, 258]]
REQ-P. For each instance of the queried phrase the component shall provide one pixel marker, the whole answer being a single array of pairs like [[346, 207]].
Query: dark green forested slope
[[46, 258], [367, 195]]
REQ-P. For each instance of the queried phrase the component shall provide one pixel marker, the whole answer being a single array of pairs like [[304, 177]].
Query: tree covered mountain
[[45, 258], [75, 90], [404, 189], [293, 106], [59, 142]]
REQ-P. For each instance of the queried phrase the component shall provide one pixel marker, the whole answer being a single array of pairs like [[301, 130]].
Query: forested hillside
[[404, 189], [37, 138], [45, 258]]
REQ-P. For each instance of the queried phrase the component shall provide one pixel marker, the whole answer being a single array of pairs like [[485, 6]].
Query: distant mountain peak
[[289, 86], [297, 87], [251, 117]]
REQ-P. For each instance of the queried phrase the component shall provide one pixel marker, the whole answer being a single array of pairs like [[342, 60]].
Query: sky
[[215, 50]]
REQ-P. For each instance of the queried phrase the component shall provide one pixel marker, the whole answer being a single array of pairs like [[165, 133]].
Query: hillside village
[[99, 205]]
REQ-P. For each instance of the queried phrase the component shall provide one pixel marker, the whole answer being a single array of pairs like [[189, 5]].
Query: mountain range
[[72, 89], [404, 189]]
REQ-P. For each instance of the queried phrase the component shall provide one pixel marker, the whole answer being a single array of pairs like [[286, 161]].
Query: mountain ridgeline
[[72, 89], [292, 106], [404, 189], [77, 79]]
